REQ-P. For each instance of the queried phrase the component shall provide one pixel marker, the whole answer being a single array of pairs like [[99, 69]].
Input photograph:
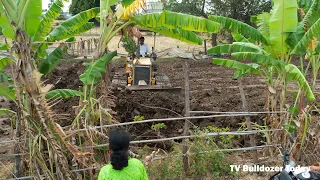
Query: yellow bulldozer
[[141, 74]]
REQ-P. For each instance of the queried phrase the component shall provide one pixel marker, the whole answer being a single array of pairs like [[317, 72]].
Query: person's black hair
[[141, 37], [119, 141]]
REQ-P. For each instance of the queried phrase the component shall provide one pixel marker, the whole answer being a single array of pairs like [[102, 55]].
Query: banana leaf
[[241, 28], [7, 93], [180, 34], [174, 20], [61, 34], [95, 69], [238, 37], [62, 93], [72, 25], [48, 64], [312, 15], [47, 20], [310, 18], [6, 111], [4, 77], [7, 28], [126, 3], [317, 50], [314, 31], [230, 48], [4, 61], [240, 73], [10, 9], [41, 51], [283, 20], [296, 74], [263, 23], [33, 16], [264, 60], [305, 4], [4, 46], [240, 67]]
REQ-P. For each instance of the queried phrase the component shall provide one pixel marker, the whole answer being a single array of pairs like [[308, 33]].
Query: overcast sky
[[65, 8]]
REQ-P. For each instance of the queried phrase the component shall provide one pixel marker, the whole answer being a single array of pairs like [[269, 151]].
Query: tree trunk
[[214, 40]]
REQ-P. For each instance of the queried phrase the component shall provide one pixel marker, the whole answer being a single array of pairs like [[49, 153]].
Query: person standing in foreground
[[122, 167], [144, 49]]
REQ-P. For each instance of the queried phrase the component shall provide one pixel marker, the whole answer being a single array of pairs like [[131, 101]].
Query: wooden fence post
[[205, 47], [248, 121], [187, 114]]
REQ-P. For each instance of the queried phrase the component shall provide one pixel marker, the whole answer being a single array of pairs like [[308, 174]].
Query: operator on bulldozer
[[141, 73]]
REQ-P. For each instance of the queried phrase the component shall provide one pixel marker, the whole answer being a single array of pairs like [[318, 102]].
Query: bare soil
[[212, 88]]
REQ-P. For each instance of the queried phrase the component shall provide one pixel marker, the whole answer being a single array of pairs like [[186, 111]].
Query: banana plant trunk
[[39, 121]]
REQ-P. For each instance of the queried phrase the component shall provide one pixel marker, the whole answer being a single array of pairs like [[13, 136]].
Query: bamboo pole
[[248, 120], [187, 114]]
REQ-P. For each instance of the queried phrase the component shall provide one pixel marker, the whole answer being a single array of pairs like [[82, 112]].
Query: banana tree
[[279, 37]]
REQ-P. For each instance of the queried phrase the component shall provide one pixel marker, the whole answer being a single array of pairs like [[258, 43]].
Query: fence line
[[161, 120], [191, 136], [222, 114], [216, 112], [163, 157], [170, 139]]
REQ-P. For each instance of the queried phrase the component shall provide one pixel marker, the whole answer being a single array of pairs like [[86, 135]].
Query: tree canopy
[[236, 9], [82, 5]]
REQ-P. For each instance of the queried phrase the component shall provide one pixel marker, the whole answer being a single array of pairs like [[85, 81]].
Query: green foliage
[[129, 45], [240, 10], [180, 34], [238, 37], [6, 111], [33, 16], [241, 68], [263, 23], [138, 118], [226, 140], [4, 61], [6, 92], [235, 47], [264, 60], [47, 20], [158, 127], [204, 157], [78, 6], [4, 77], [296, 74], [48, 64], [241, 28], [4, 46], [173, 20], [314, 31], [126, 3], [95, 69], [283, 20], [62, 93], [75, 25], [5, 24]]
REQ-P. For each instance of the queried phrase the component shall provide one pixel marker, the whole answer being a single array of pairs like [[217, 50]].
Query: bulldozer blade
[[174, 90]]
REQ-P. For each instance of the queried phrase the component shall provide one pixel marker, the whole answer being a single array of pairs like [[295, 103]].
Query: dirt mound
[[66, 76]]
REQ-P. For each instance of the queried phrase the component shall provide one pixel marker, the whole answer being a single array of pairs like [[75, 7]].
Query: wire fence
[[235, 133], [164, 157]]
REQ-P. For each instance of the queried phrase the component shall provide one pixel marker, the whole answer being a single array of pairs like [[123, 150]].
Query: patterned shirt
[[134, 171]]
